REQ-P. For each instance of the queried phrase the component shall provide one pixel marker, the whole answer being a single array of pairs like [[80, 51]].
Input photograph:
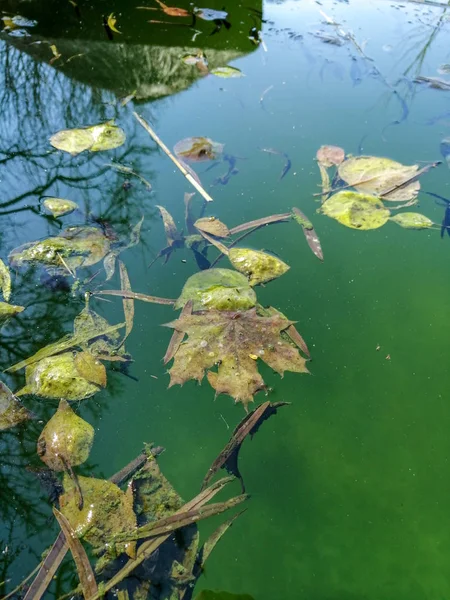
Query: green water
[[350, 484]]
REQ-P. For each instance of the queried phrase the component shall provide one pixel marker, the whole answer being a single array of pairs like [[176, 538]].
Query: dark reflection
[[39, 95]]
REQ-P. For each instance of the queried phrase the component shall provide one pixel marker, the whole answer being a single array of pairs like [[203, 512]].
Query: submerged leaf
[[59, 206], [329, 156], [310, 234], [5, 281], [111, 21], [258, 266], [107, 511], [227, 72], [90, 368], [412, 220], [213, 226], [65, 440], [12, 412], [170, 228], [355, 210], [128, 303], [198, 149], [9, 310], [376, 176], [228, 339], [210, 14], [105, 136], [57, 377], [222, 289]]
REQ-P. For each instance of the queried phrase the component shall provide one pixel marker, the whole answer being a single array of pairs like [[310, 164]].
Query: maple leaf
[[233, 341]]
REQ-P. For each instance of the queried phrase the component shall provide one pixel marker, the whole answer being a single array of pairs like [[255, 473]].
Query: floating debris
[[258, 266], [59, 207], [96, 138], [198, 149], [412, 220], [12, 411], [227, 72], [356, 210]]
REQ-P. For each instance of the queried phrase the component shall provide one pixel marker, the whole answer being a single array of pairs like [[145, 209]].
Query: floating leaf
[[59, 206], [210, 14], [5, 281], [9, 310], [55, 52], [107, 511], [170, 228], [57, 377], [105, 136], [376, 176], [111, 21], [65, 440], [227, 72], [250, 424], [90, 368], [75, 247], [135, 235], [198, 149], [329, 156], [258, 266], [355, 210], [227, 339], [222, 289], [128, 303], [310, 234], [412, 220], [173, 11], [213, 226], [12, 412], [109, 264]]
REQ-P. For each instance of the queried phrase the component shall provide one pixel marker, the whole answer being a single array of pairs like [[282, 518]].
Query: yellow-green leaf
[[355, 210], [258, 266]]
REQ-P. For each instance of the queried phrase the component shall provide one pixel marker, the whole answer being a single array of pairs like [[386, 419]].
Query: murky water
[[350, 484]]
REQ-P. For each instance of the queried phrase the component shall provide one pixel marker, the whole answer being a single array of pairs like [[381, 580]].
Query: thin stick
[[165, 149], [135, 296]]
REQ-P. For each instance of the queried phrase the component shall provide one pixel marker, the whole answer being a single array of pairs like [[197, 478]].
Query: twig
[[135, 296], [165, 149]]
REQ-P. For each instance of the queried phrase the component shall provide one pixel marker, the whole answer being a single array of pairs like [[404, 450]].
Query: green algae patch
[[356, 210], [222, 289], [412, 220], [258, 266], [57, 377], [65, 440]]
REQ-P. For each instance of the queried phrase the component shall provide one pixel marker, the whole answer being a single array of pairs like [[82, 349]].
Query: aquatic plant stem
[[177, 163]]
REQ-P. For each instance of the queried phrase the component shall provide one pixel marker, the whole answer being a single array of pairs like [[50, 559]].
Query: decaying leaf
[[222, 289], [84, 569], [57, 377], [55, 52], [210, 14], [65, 440], [12, 411], [228, 458], [5, 281], [330, 156], [75, 247], [258, 266], [355, 210], [90, 368], [177, 336], [308, 229], [198, 149], [172, 11], [107, 511], [227, 72], [59, 207], [212, 226], [111, 21], [128, 303], [172, 234], [9, 310], [105, 136], [412, 220], [376, 176], [228, 339]]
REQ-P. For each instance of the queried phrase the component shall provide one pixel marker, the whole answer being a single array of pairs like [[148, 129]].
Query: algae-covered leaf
[[65, 440], [355, 210], [222, 289], [330, 156], [75, 247], [106, 511], [227, 72], [105, 136], [376, 176], [57, 377], [198, 149], [249, 425], [258, 266], [412, 220], [233, 341], [84, 569], [308, 229], [59, 207], [5, 281], [214, 595], [90, 368], [9, 310], [170, 228], [12, 411], [213, 226]]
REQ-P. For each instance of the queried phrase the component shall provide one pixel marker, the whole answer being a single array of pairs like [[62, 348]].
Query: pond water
[[349, 484]]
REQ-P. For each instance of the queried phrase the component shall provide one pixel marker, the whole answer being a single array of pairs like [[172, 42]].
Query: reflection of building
[[145, 57]]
